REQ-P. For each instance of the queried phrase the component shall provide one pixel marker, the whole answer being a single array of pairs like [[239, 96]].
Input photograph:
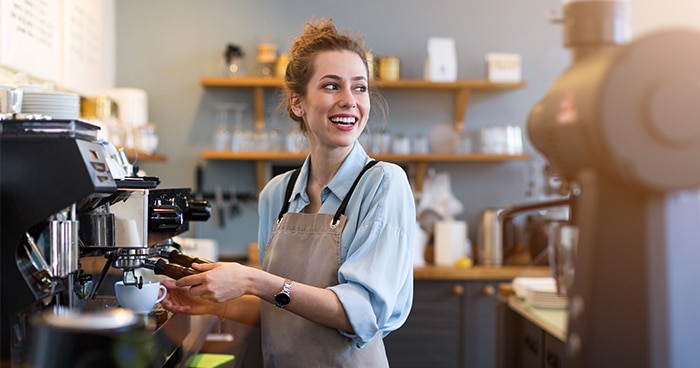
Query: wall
[[165, 46], [191, 36], [651, 15], [67, 43]]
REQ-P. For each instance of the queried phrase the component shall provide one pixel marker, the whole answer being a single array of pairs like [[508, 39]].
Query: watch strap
[[284, 296]]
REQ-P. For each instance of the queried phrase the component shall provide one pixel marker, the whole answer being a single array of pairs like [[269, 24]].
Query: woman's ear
[[295, 103]]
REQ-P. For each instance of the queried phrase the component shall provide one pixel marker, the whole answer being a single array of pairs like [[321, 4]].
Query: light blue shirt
[[375, 278]]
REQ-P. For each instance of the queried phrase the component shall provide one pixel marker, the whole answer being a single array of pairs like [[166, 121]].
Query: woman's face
[[336, 106]]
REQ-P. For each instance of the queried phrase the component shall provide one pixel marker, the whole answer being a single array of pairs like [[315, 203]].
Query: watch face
[[282, 299]]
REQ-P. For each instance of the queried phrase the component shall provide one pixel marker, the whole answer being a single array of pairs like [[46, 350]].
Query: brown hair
[[317, 36]]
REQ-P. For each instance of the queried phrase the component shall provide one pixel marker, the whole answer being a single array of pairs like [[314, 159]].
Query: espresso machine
[[62, 205], [621, 125]]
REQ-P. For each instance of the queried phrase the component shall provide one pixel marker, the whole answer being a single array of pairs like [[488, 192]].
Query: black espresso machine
[[62, 206]]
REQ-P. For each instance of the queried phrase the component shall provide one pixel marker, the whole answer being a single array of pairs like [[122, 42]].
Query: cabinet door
[[521, 341], [554, 352], [530, 346], [431, 337], [480, 324]]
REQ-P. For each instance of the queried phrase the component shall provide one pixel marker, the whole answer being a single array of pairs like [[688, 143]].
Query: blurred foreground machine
[[61, 206], [621, 123]]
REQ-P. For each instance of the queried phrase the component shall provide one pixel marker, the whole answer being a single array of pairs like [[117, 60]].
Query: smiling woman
[[335, 236]]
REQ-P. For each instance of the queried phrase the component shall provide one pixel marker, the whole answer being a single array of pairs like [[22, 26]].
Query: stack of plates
[[521, 284], [544, 297], [58, 105], [539, 292]]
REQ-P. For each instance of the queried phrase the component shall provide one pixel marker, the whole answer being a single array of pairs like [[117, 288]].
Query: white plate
[[521, 284], [545, 297]]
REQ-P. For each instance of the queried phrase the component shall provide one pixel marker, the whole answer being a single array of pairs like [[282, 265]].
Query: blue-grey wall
[[165, 46]]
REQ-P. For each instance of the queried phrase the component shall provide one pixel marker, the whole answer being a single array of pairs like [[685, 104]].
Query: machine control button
[[99, 166]]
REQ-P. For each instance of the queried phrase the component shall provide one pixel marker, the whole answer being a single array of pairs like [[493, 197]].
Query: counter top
[[478, 272], [431, 272], [552, 320], [200, 327]]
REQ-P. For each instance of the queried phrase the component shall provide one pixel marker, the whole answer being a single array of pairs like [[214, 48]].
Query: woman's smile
[[344, 122]]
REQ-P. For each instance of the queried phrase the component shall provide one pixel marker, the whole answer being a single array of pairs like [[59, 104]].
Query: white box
[[450, 242], [503, 67], [441, 65]]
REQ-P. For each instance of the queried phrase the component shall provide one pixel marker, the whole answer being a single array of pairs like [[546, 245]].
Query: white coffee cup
[[139, 300]]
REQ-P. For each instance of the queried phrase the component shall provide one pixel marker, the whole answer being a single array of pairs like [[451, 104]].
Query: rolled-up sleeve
[[376, 273]]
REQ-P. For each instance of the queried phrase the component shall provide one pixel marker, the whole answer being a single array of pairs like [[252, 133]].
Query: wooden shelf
[[135, 155], [419, 161], [460, 88], [397, 84], [393, 157], [479, 272]]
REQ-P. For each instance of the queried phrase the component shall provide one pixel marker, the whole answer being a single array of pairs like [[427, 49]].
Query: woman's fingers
[[205, 266]]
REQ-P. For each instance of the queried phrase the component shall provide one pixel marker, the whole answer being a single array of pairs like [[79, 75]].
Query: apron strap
[[343, 205], [346, 200], [288, 193]]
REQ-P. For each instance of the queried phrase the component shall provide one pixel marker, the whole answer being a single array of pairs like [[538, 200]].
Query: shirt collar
[[343, 179]]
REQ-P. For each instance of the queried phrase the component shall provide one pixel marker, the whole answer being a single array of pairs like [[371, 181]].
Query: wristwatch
[[284, 296]]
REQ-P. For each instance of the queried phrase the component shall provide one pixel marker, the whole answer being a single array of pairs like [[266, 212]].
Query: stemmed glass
[[238, 141], [222, 135]]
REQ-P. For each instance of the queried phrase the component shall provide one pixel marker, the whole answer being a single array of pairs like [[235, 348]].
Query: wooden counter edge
[[546, 319], [431, 272], [479, 272]]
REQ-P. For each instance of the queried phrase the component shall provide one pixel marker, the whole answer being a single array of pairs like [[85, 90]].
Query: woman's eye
[[331, 86], [361, 88]]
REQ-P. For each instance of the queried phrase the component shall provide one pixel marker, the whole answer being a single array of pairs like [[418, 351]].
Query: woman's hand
[[179, 300], [216, 282]]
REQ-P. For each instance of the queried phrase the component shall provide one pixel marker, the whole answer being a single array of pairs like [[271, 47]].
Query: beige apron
[[305, 248]]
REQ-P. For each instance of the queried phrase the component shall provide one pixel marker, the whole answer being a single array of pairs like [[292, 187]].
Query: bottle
[[266, 58]]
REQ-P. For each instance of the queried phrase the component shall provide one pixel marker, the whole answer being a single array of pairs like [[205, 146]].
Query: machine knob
[[197, 210], [165, 217]]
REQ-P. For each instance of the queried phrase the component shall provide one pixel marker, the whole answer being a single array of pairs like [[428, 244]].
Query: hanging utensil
[[234, 204], [220, 205]]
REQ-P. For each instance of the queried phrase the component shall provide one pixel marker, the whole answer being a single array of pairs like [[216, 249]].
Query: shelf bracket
[[261, 174], [421, 167], [259, 104], [460, 105]]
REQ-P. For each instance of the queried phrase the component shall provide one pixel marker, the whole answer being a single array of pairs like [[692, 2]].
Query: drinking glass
[[238, 140], [221, 139]]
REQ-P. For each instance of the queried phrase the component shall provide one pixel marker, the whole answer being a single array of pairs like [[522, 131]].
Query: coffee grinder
[[621, 123]]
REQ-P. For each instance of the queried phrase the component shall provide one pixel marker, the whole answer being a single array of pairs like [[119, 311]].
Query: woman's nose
[[347, 99]]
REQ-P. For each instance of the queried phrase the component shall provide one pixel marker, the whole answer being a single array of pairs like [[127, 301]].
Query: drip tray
[[153, 321]]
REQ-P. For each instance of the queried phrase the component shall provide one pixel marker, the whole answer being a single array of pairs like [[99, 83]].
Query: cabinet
[[459, 89], [452, 324], [524, 344]]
